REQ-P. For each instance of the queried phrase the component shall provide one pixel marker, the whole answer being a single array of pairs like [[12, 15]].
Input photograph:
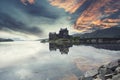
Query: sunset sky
[[34, 19]]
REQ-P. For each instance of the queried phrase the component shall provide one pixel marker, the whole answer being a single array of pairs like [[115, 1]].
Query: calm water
[[34, 60]]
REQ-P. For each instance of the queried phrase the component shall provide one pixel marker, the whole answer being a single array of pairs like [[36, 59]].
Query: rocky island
[[5, 40], [64, 37]]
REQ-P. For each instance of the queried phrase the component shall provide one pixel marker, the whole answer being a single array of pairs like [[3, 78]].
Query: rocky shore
[[110, 71]]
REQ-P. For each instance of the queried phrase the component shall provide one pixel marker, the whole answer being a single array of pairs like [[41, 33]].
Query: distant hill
[[5, 40], [113, 32]]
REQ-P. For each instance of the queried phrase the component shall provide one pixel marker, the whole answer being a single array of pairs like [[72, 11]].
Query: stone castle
[[63, 33]]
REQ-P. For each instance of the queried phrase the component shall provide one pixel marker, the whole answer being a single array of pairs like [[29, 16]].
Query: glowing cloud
[[69, 5], [97, 14], [29, 1]]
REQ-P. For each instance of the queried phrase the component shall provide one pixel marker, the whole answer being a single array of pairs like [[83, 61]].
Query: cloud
[[31, 18], [91, 13], [94, 14], [41, 8], [69, 5], [6, 21], [24, 74], [29, 1], [84, 15]]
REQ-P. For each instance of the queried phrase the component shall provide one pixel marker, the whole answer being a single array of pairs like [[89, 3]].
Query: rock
[[81, 78], [91, 73], [116, 77], [88, 78], [113, 64], [97, 78], [118, 70], [105, 72], [102, 71], [108, 76]]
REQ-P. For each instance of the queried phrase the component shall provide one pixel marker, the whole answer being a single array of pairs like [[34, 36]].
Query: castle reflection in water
[[64, 48]]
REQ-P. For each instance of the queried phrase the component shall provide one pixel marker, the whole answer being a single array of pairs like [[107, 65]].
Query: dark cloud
[[30, 18], [40, 8], [6, 21], [115, 15]]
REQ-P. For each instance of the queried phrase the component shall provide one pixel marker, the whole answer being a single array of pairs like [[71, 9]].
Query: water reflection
[[34, 61], [64, 47]]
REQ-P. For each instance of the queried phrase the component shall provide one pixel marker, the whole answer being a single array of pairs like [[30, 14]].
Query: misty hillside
[[113, 32]]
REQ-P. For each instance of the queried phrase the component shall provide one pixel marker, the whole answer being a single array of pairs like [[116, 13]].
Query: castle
[[63, 33]]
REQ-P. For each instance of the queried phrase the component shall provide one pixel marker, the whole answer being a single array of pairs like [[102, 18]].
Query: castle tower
[[63, 33]]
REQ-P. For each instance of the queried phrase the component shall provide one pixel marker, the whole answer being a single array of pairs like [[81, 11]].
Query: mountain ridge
[[113, 32]]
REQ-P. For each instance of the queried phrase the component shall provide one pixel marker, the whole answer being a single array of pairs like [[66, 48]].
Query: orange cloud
[[29, 1], [92, 16], [69, 5]]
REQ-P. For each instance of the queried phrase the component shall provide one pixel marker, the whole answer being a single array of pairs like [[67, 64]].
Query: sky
[[34, 19], [91, 14], [24, 20]]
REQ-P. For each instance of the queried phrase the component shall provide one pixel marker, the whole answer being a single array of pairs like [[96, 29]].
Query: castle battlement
[[63, 33]]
